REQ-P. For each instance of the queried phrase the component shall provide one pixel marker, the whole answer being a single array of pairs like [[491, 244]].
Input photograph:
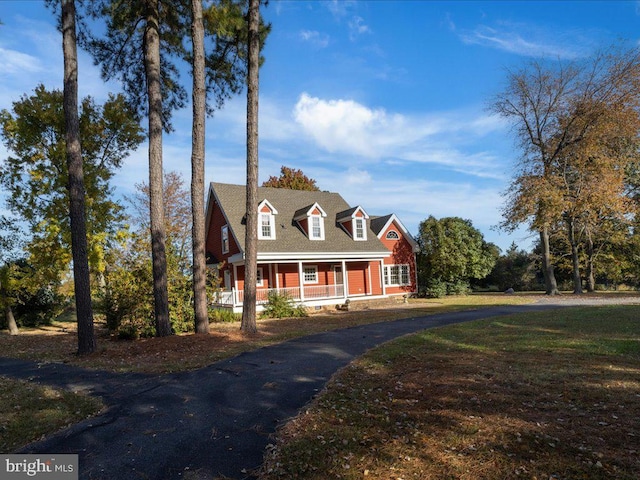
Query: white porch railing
[[310, 292]]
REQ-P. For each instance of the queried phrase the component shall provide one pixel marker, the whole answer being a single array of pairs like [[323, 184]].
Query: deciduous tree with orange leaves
[[577, 127]]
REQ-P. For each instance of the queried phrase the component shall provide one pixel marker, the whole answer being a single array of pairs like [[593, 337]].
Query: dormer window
[[360, 233], [354, 222], [266, 225], [317, 228], [311, 221], [266, 221]]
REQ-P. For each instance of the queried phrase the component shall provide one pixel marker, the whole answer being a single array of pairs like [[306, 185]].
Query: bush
[[436, 288], [39, 308], [127, 297], [223, 315], [459, 287], [282, 306]]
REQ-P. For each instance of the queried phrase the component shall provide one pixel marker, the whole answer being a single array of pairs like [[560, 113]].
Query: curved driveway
[[214, 421]]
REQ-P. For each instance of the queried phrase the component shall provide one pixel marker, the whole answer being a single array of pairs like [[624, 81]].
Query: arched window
[[392, 235]]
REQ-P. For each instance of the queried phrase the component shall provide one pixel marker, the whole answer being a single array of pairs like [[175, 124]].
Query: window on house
[[392, 235], [359, 229], [310, 274], [317, 228], [396, 275], [259, 278], [266, 226], [225, 239]]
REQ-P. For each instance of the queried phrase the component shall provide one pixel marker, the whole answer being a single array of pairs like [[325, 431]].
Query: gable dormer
[[354, 222], [266, 220], [311, 221]]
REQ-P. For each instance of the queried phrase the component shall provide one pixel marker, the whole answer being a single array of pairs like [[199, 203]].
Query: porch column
[[277, 280], [370, 287], [301, 281], [345, 280], [384, 286], [236, 299]]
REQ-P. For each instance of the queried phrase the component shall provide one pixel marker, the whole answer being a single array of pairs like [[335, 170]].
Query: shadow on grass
[[544, 395]]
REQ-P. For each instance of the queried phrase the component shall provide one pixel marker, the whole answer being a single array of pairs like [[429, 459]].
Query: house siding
[[357, 276], [288, 275], [401, 254], [214, 236]]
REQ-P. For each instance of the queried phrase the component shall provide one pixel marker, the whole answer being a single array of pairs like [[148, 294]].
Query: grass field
[[552, 395], [29, 411]]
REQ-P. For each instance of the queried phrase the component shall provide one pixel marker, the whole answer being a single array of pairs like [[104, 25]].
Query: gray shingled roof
[[378, 223], [289, 236]]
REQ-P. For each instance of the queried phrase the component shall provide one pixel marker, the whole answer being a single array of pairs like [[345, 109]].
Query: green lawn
[[543, 395]]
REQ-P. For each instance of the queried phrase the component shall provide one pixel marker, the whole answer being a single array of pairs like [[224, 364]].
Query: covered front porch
[[311, 283]]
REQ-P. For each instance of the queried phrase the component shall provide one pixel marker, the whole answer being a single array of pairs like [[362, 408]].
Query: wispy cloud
[[316, 39], [340, 8], [13, 62], [529, 40], [357, 27]]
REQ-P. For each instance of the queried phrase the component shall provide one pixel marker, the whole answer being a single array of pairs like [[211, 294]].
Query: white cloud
[[340, 8], [316, 39], [357, 27], [348, 127], [529, 40], [355, 177], [13, 62]]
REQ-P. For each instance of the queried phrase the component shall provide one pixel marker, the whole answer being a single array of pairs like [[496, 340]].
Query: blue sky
[[382, 101]]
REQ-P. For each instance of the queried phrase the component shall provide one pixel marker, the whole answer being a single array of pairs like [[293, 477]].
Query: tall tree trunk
[[197, 172], [551, 286], [156, 201], [11, 320], [8, 312], [575, 260], [591, 275], [248, 324], [81, 275]]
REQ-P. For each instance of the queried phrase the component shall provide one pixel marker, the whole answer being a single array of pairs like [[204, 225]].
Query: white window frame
[[259, 277], [392, 235], [227, 280], [271, 224], [359, 225], [225, 238], [309, 271], [402, 275], [320, 227]]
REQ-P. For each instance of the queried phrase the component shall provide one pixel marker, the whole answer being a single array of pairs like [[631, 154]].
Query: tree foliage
[[127, 298], [576, 125], [35, 173], [292, 179], [516, 269], [452, 252]]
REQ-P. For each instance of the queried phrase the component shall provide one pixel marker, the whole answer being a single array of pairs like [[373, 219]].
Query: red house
[[312, 246]]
